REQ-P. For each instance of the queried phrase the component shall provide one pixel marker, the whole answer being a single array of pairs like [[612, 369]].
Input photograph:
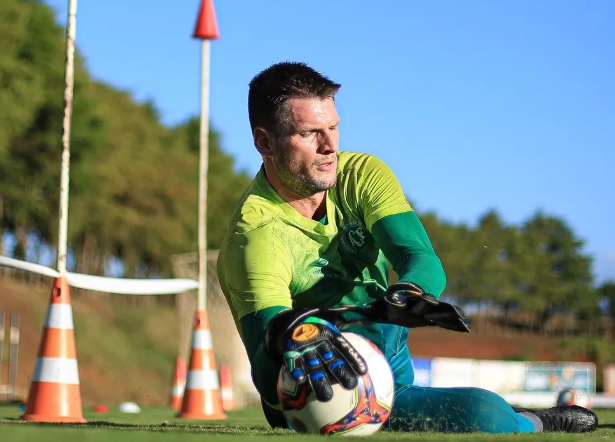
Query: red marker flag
[[206, 26]]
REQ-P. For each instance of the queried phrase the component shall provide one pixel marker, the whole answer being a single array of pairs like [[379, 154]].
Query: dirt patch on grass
[[433, 342]]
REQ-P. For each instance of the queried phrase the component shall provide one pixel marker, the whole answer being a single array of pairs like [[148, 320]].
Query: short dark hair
[[273, 87]]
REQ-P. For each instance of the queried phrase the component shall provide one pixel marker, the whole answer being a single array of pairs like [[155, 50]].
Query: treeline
[[537, 268], [133, 189], [133, 181]]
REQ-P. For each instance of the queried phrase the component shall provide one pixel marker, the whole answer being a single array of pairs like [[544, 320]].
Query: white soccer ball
[[573, 396], [358, 412]]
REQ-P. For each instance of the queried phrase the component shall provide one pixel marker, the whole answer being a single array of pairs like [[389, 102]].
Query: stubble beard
[[303, 184]]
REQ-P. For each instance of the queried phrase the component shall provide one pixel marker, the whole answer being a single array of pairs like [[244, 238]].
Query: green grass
[[160, 424]]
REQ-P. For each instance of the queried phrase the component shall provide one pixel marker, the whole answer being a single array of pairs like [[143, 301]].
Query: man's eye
[[307, 134]]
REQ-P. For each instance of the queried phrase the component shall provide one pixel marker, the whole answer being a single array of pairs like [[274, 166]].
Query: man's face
[[304, 149]]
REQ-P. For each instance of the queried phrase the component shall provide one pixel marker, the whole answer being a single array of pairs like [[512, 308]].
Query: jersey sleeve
[[379, 192], [396, 228], [405, 243], [265, 368], [257, 272]]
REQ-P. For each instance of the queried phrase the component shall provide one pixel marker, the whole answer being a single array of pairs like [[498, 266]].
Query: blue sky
[[475, 104]]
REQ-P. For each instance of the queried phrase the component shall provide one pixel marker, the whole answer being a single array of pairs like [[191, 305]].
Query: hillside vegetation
[[127, 352], [124, 353]]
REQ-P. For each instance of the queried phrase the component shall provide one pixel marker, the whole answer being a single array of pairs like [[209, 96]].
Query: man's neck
[[309, 209], [313, 206]]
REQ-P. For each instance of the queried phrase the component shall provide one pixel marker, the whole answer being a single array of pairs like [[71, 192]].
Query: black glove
[[407, 305], [314, 350]]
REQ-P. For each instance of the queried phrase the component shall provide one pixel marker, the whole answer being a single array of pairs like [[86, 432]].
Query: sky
[[474, 104]]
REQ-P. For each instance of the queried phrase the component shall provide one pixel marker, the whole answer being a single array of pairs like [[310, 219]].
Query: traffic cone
[[226, 384], [179, 383], [55, 394], [206, 25], [202, 395]]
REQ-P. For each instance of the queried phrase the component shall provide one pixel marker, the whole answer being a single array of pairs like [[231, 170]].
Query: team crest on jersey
[[354, 237]]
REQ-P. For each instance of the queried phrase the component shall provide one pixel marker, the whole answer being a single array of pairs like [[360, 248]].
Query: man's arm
[[412, 301], [255, 274], [312, 349], [265, 368], [406, 245]]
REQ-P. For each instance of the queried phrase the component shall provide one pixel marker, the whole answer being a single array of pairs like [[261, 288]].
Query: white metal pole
[[68, 110], [203, 170]]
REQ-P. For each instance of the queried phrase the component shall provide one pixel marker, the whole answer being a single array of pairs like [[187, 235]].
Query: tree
[[133, 181], [31, 69], [607, 292], [561, 279], [454, 244], [21, 82], [225, 184]]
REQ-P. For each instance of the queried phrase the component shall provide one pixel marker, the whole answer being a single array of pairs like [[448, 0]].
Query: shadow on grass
[[221, 428]]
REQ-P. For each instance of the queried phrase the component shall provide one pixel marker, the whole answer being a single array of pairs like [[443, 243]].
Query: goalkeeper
[[313, 235]]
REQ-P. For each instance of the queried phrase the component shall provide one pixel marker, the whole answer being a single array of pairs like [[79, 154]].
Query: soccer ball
[[573, 396], [358, 412]]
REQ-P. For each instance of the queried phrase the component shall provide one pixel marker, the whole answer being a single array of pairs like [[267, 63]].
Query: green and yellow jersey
[[273, 258]]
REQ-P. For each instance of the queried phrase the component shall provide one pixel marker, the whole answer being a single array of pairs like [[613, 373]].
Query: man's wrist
[[410, 287], [281, 324]]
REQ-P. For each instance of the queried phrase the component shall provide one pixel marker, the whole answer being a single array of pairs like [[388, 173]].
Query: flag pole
[[206, 29], [68, 111], [203, 173], [202, 398]]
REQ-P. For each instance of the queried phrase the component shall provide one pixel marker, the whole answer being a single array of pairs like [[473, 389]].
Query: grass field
[[159, 424], [138, 354]]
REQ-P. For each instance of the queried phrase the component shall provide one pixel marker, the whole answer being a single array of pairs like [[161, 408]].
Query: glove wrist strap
[[280, 324], [406, 287]]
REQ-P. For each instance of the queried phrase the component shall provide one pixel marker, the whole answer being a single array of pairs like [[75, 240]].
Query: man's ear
[[262, 141]]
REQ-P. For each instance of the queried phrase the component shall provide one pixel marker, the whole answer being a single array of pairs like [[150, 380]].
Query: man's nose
[[329, 141]]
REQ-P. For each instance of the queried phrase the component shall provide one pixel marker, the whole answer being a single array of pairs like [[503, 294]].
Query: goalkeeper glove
[[313, 350], [404, 304], [408, 305]]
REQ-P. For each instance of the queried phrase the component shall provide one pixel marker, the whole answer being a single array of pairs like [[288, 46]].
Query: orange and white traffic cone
[[202, 394], [55, 394], [179, 383], [226, 384]]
